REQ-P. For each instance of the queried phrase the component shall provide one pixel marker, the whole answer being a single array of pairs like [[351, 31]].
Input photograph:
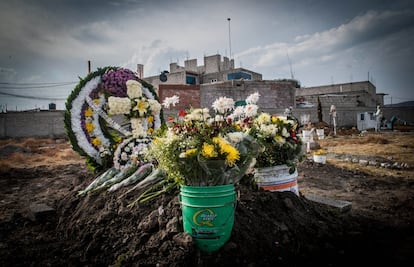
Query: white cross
[[123, 105]]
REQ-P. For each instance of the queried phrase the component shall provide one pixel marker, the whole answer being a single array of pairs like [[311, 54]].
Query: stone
[[41, 211], [341, 205], [183, 239]]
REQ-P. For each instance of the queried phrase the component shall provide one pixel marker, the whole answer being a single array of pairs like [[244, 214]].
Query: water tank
[[52, 106]]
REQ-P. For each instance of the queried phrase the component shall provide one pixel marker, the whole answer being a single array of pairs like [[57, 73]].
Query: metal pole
[[229, 37]]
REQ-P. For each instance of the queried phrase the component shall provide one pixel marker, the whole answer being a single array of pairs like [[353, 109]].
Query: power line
[[33, 97], [20, 86], [37, 83]]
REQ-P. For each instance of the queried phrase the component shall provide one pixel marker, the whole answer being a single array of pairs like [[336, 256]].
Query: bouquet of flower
[[279, 139], [320, 152], [198, 149]]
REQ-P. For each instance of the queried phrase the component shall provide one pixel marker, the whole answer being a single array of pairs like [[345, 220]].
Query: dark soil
[[270, 229]]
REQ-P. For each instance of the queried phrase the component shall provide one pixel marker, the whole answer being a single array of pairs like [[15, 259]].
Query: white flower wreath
[[92, 131]]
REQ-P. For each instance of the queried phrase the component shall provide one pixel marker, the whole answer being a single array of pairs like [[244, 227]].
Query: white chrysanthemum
[[219, 118], [168, 101], [238, 112], [251, 110], [139, 127], [253, 98], [223, 105], [154, 106], [268, 129], [139, 132], [134, 88], [119, 105], [198, 115], [263, 118], [235, 137], [124, 156]]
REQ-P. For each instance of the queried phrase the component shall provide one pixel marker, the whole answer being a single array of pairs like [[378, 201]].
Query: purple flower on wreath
[[114, 81]]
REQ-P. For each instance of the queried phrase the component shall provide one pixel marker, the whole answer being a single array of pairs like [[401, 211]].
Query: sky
[[45, 45]]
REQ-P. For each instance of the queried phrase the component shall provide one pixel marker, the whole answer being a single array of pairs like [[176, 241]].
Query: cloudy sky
[[45, 45]]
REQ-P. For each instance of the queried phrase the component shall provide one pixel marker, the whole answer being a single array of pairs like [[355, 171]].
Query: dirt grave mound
[[270, 229]]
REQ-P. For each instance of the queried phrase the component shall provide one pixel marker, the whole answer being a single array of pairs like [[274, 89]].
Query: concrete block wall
[[364, 93], [345, 116], [191, 65], [212, 63], [32, 124]]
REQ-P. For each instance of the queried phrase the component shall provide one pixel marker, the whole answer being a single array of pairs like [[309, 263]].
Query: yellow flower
[[89, 126], [321, 152], [232, 154], [190, 152], [96, 141], [218, 140], [142, 107], [150, 119], [208, 151], [150, 130], [96, 101], [88, 112], [280, 139], [274, 119]]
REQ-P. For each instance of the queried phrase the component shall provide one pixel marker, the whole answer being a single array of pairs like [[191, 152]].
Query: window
[[190, 79], [239, 75]]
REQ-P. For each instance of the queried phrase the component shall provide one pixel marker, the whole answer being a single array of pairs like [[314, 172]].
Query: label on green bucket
[[204, 217]]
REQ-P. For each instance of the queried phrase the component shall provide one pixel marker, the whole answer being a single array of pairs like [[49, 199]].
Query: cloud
[[7, 75], [367, 31]]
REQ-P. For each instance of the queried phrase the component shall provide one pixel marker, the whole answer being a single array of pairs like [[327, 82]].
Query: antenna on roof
[[228, 19], [290, 66]]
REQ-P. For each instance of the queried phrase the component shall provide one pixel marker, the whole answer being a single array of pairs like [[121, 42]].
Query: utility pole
[[89, 66], [228, 19]]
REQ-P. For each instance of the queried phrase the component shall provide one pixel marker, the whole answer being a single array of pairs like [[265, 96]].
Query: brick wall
[[189, 96], [274, 95]]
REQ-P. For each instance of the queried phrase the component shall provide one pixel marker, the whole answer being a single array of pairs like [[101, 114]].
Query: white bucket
[[320, 133], [319, 159], [276, 178]]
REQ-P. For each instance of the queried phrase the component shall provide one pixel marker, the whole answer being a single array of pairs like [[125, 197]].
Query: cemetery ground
[[43, 222]]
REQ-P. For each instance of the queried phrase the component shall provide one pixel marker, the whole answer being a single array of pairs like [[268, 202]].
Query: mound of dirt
[[270, 229]]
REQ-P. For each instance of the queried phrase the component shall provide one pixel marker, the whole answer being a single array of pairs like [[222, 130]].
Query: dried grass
[[43, 151], [395, 147]]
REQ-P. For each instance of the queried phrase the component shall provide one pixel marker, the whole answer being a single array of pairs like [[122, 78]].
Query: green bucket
[[208, 214]]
